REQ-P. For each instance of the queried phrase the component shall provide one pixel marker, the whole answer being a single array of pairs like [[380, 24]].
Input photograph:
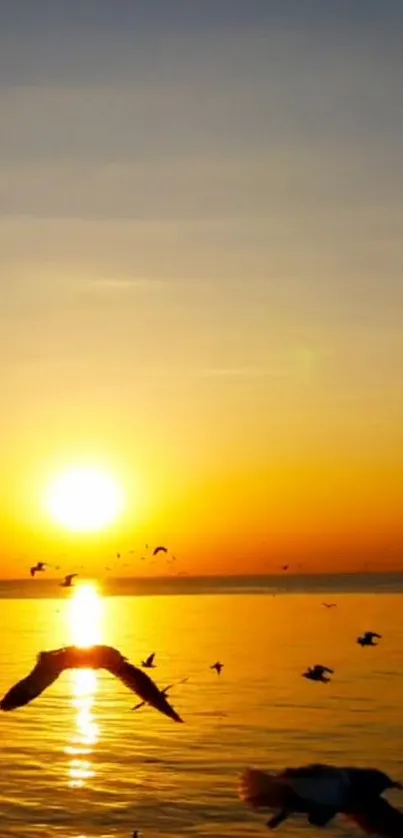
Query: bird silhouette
[[377, 817], [149, 662], [318, 673], [367, 639], [319, 791], [38, 568], [51, 664], [165, 692], [68, 580], [217, 666], [159, 550], [329, 605]]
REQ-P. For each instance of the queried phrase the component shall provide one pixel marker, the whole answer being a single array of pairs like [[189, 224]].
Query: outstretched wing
[[159, 550], [46, 671], [164, 692], [138, 682], [71, 576], [379, 818], [260, 790], [150, 659]]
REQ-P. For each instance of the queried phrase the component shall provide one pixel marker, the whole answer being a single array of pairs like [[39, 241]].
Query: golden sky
[[201, 279]]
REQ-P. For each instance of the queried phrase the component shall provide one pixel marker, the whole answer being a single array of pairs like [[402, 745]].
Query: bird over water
[[321, 792], [368, 638], [318, 673], [51, 664]]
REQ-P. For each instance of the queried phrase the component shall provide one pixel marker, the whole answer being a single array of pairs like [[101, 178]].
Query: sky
[[201, 278]]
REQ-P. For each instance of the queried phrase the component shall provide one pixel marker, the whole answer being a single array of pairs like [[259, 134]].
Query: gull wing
[[138, 682], [164, 692], [159, 550], [44, 673], [378, 817], [150, 660], [261, 790]]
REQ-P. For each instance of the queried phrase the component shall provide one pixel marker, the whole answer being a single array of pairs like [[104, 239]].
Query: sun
[[84, 500]]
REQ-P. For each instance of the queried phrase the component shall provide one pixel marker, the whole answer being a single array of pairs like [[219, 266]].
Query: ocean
[[79, 763]]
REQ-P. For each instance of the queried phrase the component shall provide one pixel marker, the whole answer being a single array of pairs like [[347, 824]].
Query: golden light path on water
[[85, 615]]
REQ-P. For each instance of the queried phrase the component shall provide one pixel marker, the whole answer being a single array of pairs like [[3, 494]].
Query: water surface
[[79, 763]]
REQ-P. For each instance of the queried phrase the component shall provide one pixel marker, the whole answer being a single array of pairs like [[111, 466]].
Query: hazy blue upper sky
[[200, 233]]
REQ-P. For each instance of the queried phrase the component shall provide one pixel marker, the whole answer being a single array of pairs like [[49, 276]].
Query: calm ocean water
[[78, 763]]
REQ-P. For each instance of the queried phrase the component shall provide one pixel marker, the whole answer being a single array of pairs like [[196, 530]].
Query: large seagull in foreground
[[51, 664], [321, 792]]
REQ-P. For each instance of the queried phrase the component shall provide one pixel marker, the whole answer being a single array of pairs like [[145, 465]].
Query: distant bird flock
[[318, 791]]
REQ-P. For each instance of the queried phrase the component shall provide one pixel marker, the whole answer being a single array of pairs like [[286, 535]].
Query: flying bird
[[367, 639], [149, 662], [318, 673], [51, 664], [218, 667], [38, 568], [378, 817], [68, 580], [159, 550], [319, 791], [285, 566], [165, 692], [329, 605]]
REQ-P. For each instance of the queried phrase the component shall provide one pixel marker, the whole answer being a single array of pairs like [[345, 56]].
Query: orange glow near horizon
[[201, 296]]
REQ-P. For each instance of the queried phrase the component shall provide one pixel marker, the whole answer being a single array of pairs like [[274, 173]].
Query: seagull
[[329, 605], [218, 667], [165, 692], [367, 639], [159, 550], [378, 817], [319, 791], [68, 580], [149, 662], [40, 566], [318, 673], [51, 664]]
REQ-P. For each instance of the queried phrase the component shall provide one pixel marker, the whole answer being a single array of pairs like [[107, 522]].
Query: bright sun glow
[[84, 500], [85, 628], [85, 616]]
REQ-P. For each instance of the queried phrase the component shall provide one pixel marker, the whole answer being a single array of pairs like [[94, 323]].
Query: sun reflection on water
[[85, 629]]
